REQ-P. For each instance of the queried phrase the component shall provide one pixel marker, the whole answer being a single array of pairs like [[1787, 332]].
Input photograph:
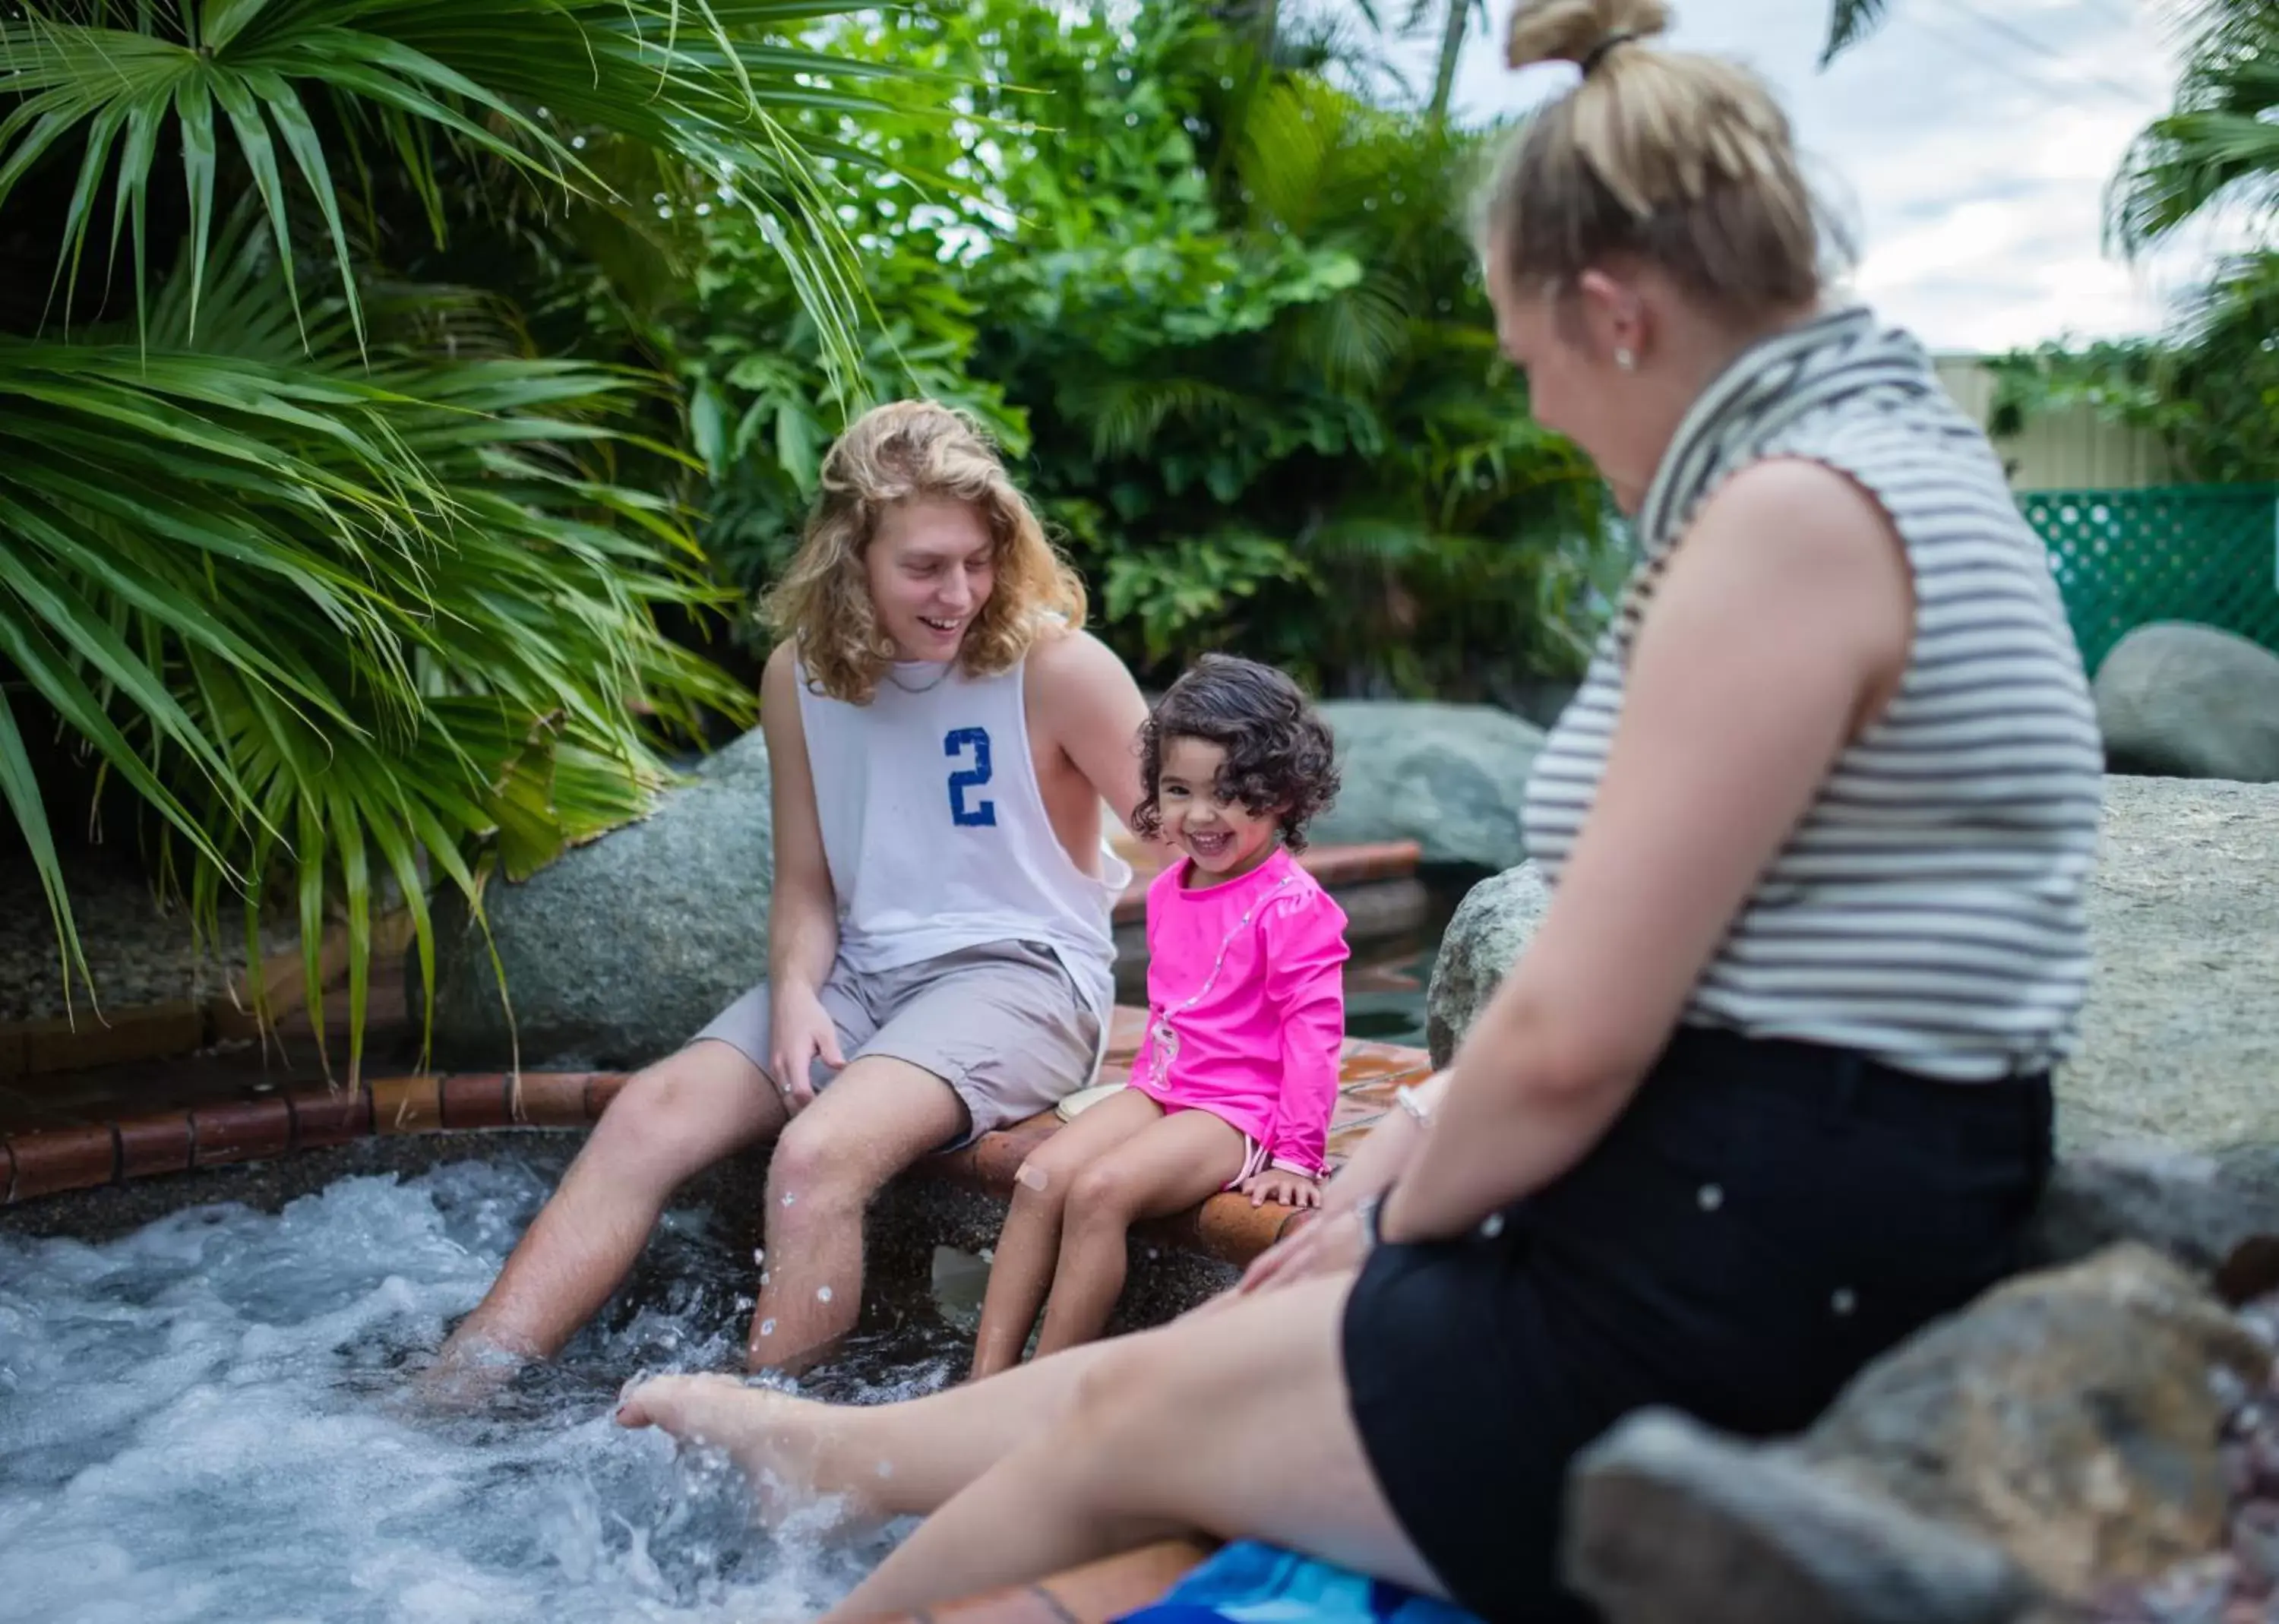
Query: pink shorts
[[1253, 1155]]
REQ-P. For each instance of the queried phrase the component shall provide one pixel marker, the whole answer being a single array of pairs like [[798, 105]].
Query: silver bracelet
[[1365, 1211]]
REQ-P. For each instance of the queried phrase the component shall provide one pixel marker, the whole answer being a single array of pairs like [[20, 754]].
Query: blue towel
[[1251, 1583]]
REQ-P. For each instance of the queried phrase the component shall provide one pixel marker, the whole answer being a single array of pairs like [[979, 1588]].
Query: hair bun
[[1577, 30]]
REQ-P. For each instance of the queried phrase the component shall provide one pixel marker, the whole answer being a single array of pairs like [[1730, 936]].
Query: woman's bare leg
[[1021, 1271], [1167, 1167], [893, 1459], [1235, 1422]]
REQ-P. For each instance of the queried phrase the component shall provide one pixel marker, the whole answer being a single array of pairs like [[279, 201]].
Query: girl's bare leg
[[1234, 1422], [1021, 1271], [1172, 1164]]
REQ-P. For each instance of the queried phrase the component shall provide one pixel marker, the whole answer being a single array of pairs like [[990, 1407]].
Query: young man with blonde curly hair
[[943, 733]]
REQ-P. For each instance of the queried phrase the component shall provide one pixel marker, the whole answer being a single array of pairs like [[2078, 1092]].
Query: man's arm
[[803, 913], [1093, 710]]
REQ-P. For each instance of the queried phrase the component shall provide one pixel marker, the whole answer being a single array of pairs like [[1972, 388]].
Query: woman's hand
[[1281, 1184], [803, 1030], [1332, 1243]]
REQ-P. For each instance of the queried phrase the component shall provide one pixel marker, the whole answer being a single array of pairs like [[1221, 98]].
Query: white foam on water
[[211, 1422]]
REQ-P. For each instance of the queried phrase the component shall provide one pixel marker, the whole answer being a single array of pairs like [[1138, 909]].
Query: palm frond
[[706, 81], [1127, 413], [1352, 339], [358, 615], [2219, 144], [1849, 22]]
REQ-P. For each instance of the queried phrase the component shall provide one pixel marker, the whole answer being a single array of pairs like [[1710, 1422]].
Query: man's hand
[[1280, 1184], [803, 1031]]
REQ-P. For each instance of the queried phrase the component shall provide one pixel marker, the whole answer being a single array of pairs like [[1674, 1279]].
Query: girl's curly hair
[[905, 451], [1280, 757]]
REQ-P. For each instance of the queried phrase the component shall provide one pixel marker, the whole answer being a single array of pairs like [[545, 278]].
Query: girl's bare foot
[[775, 1439]]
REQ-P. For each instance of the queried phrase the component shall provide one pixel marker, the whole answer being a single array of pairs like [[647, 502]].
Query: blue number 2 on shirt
[[981, 814]]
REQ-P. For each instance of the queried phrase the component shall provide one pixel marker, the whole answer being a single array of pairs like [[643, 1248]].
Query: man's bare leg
[[669, 1122], [873, 1120]]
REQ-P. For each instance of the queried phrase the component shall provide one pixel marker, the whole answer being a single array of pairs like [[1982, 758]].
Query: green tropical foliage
[[312, 552], [2218, 146], [1229, 317], [1849, 22], [2209, 388], [400, 402]]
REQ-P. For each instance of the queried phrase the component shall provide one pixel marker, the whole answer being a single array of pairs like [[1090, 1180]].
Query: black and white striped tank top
[[1928, 910]]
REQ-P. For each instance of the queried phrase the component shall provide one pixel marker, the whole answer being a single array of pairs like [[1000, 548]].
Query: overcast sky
[[1970, 141]]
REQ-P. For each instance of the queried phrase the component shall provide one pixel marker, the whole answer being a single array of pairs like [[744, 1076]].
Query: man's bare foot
[[776, 1439], [466, 1374]]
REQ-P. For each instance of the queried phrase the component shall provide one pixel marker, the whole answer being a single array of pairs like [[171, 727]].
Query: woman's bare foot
[[776, 1439]]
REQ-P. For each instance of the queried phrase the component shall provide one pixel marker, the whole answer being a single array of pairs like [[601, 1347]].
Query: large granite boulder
[[2179, 1043], [618, 951], [1448, 777], [2169, 1109], [1496, 919], [2189, 701], [2057, 1435], [2180, 1037]]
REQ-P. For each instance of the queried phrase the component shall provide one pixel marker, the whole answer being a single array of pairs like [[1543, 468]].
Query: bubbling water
[[213, 1419]]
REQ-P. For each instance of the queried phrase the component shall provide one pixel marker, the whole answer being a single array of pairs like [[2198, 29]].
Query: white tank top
[[936, 833]]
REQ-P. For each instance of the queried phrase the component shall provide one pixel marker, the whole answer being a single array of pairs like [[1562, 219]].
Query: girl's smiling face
[[1223, 838]]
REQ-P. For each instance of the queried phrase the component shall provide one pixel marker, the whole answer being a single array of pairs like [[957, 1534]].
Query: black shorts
[[1763, 1219]]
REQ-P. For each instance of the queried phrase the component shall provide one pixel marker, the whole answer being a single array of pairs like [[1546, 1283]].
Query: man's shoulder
[[1063, 650], [1076, 674]]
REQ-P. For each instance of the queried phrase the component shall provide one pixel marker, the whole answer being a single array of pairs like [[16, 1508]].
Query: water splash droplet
[[823, 1294], [788, 1198], [767, 1327], [759, 1256]]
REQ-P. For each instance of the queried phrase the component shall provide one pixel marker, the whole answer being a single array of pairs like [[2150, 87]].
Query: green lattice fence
[[2204, 553]]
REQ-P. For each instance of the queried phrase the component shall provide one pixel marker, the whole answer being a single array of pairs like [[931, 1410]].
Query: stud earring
[[1626, 360]]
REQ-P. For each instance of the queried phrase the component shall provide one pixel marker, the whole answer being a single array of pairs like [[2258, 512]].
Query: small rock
[[1491, 928], [2051, 1446], [1669, 1523], [2067, 1415], [2203, 1208], [2255, 1546], [2175, 700]]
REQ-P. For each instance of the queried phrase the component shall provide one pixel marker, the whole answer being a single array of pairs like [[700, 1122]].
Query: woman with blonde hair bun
[[1768, 1089]]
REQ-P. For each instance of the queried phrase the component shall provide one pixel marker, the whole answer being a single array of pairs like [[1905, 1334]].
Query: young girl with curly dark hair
[[1238, 1073]]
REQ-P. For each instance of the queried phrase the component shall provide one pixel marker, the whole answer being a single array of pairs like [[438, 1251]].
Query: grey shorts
[[1003, 1024]]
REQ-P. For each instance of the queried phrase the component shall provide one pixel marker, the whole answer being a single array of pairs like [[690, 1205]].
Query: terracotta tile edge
[[959, 1167]]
